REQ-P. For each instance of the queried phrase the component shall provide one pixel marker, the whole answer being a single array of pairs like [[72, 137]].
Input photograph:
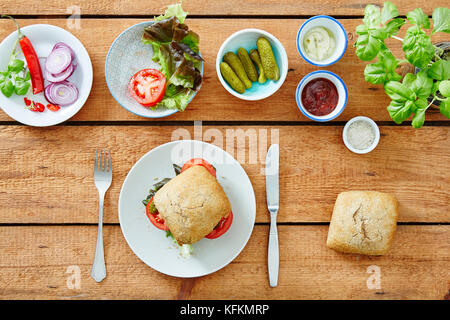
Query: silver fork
[[102, 179]]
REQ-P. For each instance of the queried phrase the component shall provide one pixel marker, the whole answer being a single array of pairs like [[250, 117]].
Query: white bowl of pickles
[[252, 64]]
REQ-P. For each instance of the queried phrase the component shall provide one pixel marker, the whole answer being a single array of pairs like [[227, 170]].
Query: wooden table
[[48, 211]]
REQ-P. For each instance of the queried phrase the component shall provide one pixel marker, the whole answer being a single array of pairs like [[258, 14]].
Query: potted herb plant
[[415, 92]]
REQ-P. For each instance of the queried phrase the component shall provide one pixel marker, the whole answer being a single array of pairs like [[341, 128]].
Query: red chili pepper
[[37, 107], [40, 107], [34, 66], [53, 107], [27, 101]]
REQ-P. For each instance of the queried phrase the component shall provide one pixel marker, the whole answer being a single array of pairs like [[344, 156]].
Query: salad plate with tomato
[[45, 74], [154, 69], [149, 235]]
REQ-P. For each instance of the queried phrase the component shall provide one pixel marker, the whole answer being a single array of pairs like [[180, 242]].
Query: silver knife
[[272, 192]]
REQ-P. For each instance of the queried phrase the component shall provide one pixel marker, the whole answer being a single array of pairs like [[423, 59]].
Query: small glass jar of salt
[[361, 135]]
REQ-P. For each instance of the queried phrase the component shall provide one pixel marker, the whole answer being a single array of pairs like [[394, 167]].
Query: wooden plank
[[46, 176], [213, 102], [199, 7], [35, 261]]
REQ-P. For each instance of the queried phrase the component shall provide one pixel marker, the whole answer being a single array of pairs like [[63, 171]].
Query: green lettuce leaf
[[185, 72], [175, 97], [191, 39], [176, 49], [173, 10], [162, 55]]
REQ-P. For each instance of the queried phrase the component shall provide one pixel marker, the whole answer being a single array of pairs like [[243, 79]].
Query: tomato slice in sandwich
[[155, 218], [199, 162], [225, 223], [221, 228]]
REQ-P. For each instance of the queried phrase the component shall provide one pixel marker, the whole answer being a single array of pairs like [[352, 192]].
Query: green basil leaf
[[393, 76], [399, 92], [393, 26], [400, 111], [16, 65], [383, 70], [444, 88], [375, 73], [379, 33], [445, 107], [367, 47], [388, 12], [409, 79], [418, 48], [372, 16], [419, 18], [440, 70], [27, 76], [7, 88], [361, 29], [2, 77], [422, 85], [21, 87], [419, 116], [441, 20], [435, 87], [388, 60]]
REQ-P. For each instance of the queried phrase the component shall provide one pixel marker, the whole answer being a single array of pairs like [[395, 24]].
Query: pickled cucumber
[[249, 67], [231, 78], [268, 59], [254, 55], [233, 61]]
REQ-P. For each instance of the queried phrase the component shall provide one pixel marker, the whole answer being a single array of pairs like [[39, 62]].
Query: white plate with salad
[[45, 75], [154, 69], [156, 247]]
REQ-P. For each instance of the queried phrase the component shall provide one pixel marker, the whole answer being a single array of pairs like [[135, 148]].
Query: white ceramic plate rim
[[251, 197], [87, 76]]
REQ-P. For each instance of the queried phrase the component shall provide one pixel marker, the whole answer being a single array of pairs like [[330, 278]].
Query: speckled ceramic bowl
[[127, 56]]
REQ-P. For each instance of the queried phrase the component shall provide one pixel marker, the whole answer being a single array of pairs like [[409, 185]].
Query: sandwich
[[191, 206]]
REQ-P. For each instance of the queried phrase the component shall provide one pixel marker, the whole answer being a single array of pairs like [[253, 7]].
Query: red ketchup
[[320, 97]]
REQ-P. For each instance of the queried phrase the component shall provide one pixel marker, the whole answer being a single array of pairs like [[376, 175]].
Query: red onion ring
[[60, 76], [58, 60], [62, 93], [64, 45]]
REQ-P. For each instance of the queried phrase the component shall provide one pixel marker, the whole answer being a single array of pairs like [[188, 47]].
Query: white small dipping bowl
[[340, 36], [375, 129], [246, 39], [341, 89]]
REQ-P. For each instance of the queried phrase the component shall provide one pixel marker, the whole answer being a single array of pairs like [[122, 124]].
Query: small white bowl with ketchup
[[321, 95]]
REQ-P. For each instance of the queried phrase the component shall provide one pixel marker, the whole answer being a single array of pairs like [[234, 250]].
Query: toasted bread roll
[[192, 204]]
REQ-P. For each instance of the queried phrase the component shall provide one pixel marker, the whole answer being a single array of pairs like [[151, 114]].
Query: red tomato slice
[[147, 87], [223, 227], [155, 218], [199, 162]]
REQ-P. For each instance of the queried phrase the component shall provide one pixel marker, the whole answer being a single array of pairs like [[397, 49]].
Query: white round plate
[[43, 37], [126, 56], [151, 244]]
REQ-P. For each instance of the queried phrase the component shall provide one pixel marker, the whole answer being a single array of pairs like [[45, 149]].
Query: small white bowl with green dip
[[321, 40]]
